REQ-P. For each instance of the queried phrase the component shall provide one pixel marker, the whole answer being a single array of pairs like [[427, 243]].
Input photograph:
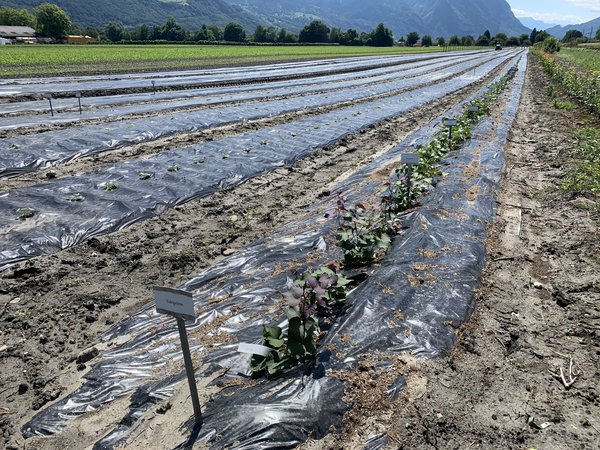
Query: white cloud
[[561, 19], [592, 5]]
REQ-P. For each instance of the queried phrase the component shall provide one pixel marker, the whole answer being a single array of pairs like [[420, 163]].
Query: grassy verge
[[584, 177], [585, 57], [578, 79], [31, 60], [581, 84]]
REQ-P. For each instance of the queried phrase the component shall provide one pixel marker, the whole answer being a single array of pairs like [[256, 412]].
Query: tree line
[[51, 21], [314, 32]]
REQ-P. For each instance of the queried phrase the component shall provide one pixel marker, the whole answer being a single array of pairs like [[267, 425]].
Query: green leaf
[[273, 337]]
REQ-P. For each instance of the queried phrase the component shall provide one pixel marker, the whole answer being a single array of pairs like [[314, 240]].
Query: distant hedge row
[[249, 43]]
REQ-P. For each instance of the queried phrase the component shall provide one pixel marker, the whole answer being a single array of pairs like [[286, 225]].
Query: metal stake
[[409, 183], [78, 95], [189, 369], [153, 87], [48, 95]]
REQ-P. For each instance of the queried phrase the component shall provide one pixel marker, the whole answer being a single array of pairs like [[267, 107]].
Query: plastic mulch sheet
[[70, 210], [254, 74], [429, 275], [120, 104], [21, 154]]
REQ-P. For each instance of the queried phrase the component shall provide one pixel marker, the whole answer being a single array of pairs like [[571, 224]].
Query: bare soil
[[537, 309]]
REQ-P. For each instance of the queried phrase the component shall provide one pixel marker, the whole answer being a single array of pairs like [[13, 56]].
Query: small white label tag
[[473, 109], [409, 158], [254, 349], [450, 122], [78, 94], [48, 95], [174, 302]]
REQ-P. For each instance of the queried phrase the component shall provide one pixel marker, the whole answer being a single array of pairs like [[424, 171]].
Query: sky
[[562, 12]]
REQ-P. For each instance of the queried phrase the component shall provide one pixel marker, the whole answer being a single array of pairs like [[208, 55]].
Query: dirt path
[[538, 308]]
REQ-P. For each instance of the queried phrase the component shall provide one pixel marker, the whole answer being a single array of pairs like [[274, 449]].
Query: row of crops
[[68, 86], [48, 217], [580, 84], [201, 97], [30, 152], [61, 104], [435, 254]]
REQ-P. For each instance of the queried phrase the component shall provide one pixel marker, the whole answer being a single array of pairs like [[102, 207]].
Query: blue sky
[[562, 12]]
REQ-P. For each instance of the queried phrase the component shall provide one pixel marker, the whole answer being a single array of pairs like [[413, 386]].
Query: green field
[[579, 79], [28, 60], [588, 58]]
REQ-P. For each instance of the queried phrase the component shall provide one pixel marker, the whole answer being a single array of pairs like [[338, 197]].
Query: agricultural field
[[28, 60], [587, 58], [575, 75], [375, 248]]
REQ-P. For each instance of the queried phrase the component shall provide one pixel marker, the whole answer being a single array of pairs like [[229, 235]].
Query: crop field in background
[[579, 80], [27, 60], [588, 58]]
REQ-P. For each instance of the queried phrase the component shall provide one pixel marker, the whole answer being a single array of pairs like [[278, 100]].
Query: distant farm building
[[81, 39], [18, 34]]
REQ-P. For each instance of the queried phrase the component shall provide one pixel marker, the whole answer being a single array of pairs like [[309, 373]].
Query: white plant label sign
[[450, 122], [174, 302], [409, 158]]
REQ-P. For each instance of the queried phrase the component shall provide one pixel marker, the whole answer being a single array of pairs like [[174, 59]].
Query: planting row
[[221, 97], [428, 279], [581, 85], [46, 218], [204, 78], [61, 104], [22, 154]]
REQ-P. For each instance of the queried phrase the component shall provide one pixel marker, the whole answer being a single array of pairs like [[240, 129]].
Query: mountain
[[433, 17], [532, 23], [559, 32], [189, 13]]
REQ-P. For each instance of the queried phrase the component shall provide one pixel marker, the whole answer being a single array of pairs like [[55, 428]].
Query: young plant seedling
[[318, 291], [78, 197], [111, 187], [25, 213], [144, 176], [312, 293], [362, 233]]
